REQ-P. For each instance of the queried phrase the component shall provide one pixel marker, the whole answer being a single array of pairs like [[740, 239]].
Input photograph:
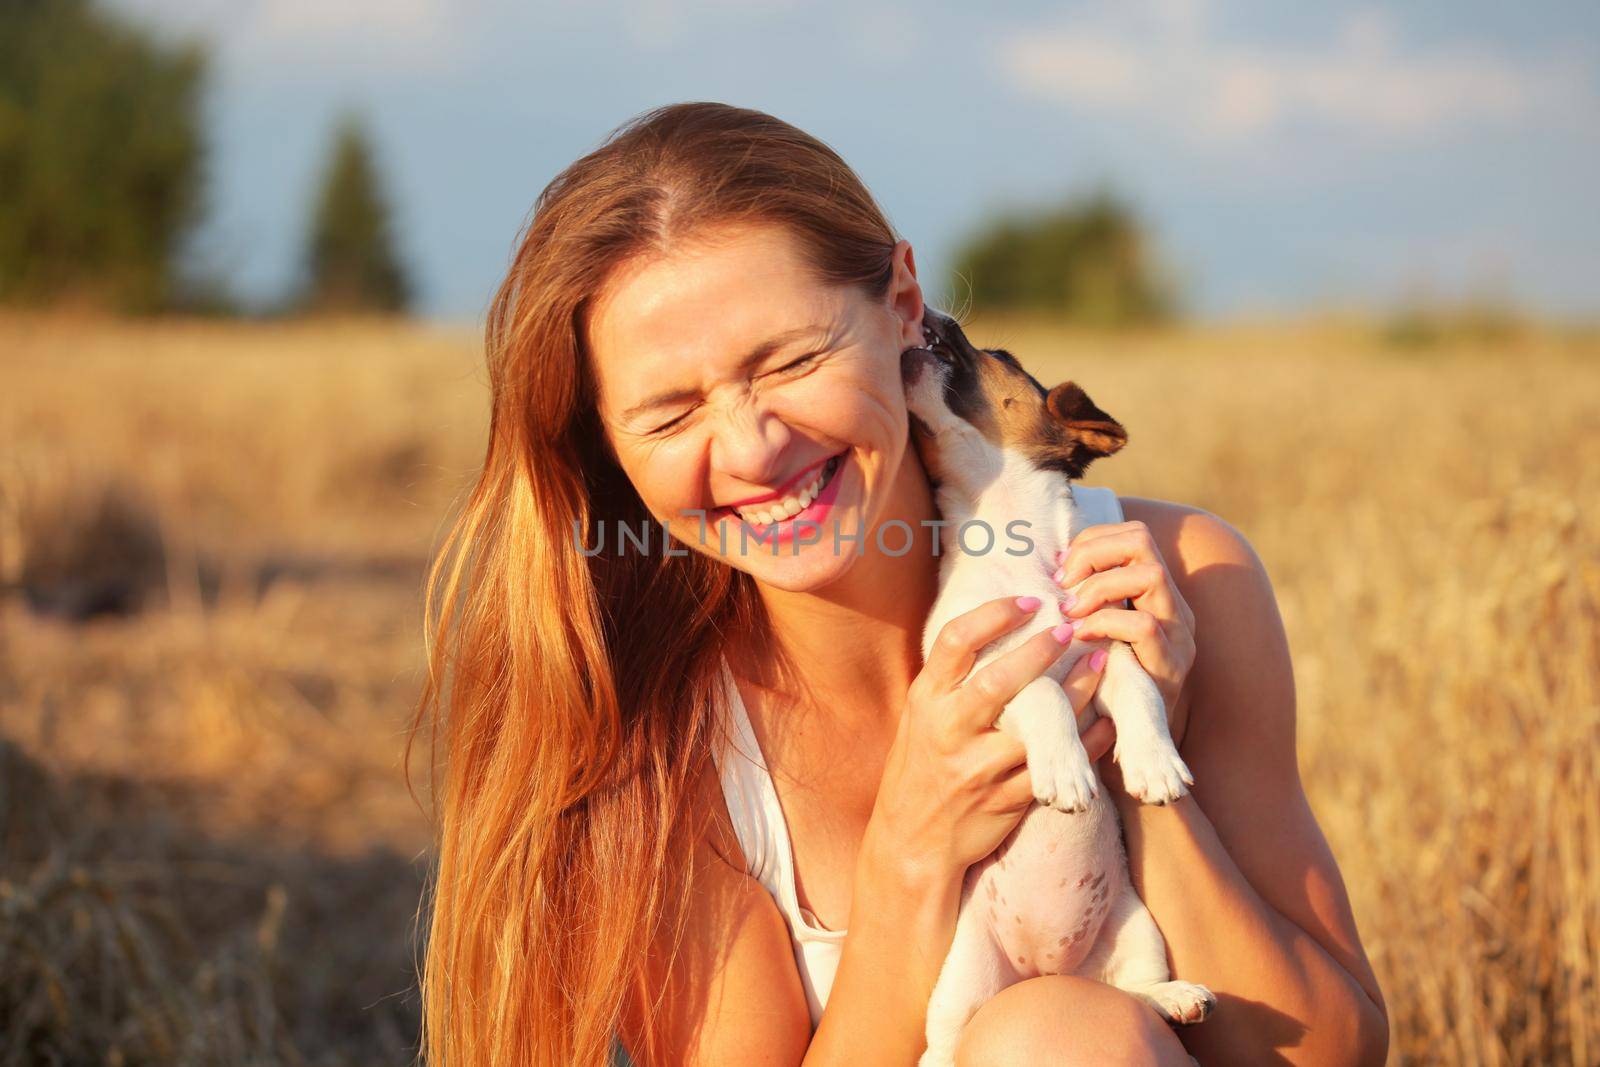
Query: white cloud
[[1161, 61]]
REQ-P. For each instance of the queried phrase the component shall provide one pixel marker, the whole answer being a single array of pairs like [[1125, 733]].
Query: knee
[[1061, 1020]]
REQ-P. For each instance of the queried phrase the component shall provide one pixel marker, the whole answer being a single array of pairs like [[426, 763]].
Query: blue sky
[[1287, 156]]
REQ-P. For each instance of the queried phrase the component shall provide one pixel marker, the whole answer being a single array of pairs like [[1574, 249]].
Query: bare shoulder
[[731, 994], [1242, 681], [1239, 736], [1191, 539]]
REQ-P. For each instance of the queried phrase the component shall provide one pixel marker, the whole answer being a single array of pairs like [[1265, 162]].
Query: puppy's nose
[[912, 362]]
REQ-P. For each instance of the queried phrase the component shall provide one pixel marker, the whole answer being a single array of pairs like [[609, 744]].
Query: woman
[[706, 310]]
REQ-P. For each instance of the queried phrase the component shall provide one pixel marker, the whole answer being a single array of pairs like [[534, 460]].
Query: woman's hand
[[1112, 562], [954, 786]]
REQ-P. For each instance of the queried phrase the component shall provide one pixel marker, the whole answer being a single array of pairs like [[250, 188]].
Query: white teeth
[[791, 506]]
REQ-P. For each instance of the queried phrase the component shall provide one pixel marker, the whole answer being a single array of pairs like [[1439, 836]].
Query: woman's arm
[[913, 859], [952, 789], [1239, 876], [734, 995], [901, 921]]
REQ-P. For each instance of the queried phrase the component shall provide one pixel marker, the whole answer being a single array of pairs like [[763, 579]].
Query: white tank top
[[764, 835]]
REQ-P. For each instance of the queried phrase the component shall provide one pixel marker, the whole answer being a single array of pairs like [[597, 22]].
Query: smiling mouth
[[771, 511]]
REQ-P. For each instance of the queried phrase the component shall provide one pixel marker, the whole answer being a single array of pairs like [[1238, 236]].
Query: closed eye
[[802, 363], [795, 364], [665, 426]]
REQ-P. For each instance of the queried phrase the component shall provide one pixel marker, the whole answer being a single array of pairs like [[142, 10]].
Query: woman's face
[[735, 383]]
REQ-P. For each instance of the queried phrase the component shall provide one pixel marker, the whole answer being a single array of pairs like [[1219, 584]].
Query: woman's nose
[[748, 441]]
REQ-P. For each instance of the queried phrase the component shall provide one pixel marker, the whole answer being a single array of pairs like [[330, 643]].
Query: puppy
[[1055, 897]]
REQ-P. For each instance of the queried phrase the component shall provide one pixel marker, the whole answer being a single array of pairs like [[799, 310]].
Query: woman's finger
[[1131, 544], [1143, 583], [1085, 557], [994, 685], [1015, 792], [1142, 631], [956, 648], [1099, 738], [1089, 533], [998, 755], [1083, 679]]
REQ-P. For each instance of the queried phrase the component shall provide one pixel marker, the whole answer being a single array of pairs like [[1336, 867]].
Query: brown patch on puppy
[[1059, 429], [1084, 432]]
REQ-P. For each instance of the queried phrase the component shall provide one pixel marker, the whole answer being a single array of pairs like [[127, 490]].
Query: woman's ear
[[905, 296]]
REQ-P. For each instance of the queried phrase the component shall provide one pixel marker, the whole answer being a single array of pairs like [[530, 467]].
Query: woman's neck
[[858, 641]]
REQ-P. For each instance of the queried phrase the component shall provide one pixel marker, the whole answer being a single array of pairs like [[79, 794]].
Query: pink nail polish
[[1062, 633], [1097, 659], [1068, 600], [1059, 574], [1029, 603]]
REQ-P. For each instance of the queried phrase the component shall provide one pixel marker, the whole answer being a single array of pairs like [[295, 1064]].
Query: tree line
[[102, 164], [102, 177]]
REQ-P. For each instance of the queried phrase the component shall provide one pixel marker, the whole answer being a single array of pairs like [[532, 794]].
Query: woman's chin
[[814, 569], [801, 564]]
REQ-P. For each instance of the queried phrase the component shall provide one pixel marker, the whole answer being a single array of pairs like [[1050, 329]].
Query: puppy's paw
[[1154, 773], [1063, 777], [1180, 1003]]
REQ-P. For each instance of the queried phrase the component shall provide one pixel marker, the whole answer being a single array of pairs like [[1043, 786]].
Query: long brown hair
[[573, 698]]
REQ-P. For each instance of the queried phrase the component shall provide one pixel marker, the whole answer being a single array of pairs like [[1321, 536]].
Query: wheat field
[[212, 538]]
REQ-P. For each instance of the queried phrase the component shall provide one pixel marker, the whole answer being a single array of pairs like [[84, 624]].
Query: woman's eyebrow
[[755, 355]]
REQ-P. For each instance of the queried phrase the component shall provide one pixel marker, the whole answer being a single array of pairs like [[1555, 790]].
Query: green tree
[[1088, 260], [350, 258], [100, 156]]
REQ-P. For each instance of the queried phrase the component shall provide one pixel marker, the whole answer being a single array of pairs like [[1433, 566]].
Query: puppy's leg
[[973, 972], [1131, 954], [1041, 717], [1152, 770]]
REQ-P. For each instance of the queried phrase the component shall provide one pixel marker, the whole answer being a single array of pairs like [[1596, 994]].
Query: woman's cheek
[[838, 406], [675, 472]]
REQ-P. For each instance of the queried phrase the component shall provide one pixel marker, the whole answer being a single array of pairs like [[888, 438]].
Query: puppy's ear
[[1087, 433]]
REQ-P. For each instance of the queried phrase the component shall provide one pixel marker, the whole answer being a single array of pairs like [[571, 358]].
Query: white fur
[[1008, 930]]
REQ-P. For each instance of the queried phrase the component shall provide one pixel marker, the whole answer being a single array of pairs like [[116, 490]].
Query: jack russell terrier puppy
[[1055, 897]]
